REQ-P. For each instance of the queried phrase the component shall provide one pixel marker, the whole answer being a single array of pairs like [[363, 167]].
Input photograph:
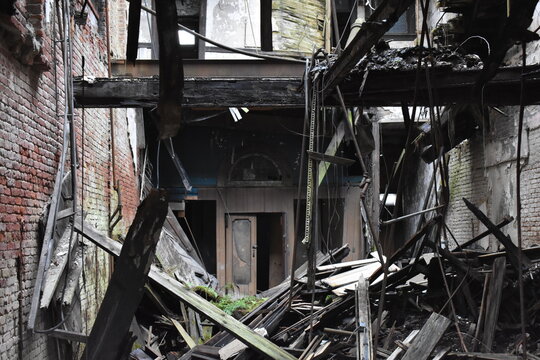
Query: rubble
[[442, 304]]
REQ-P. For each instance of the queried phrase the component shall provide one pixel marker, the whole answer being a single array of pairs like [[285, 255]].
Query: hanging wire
[[348, 21]]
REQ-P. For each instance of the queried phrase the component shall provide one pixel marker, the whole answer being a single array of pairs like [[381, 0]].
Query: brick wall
[[30, 145], [483, 168]]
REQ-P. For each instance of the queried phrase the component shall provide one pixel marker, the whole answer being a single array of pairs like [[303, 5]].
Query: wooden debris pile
[[425, 301], [438, 304]]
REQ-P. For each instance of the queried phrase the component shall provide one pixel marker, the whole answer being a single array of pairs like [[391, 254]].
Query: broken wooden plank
[[59, 260], [125, 288], [408, 340], [481, 313], [427, 338], [354, 263], [337, 160], [178, 164], [442, 354], [507, 220], [227, 322], [363, 318], [493, 302], [511, 249], [47, 239], [352, 276], [236, 346], [66, 295], [188, 339], [483, 356], [342, 290]]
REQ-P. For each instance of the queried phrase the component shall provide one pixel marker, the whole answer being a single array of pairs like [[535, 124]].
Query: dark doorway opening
[[200, 226], [270, 250]]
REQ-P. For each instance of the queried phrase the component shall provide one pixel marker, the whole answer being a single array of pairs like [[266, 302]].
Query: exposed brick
[[30, 141]]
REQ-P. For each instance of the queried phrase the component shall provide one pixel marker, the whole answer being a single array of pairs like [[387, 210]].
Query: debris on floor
[[437, 304]]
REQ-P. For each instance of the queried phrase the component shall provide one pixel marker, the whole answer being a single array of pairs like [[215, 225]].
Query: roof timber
[[382, 88], [382, 19]]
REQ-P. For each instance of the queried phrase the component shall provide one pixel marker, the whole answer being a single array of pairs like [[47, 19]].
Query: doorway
[[255, 251], [199, 224]]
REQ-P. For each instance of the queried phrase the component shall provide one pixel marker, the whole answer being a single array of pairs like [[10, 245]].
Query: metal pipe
[[411, 215]]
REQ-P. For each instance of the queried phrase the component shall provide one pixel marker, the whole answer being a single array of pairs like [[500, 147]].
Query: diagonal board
[[427, 338], [230, 324], [382, 19], [332, 149], [512, 250]]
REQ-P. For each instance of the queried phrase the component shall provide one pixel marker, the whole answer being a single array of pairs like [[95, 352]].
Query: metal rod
[[411, 215], [518, 206]]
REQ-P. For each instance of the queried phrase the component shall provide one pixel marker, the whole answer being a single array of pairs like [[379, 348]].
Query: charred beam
[[382, 88], [382, 19], [110, 331], [171, 71], [512, 250], [134, 20]]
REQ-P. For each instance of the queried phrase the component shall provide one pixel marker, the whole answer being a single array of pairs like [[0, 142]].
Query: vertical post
[[328, 26], [376, 174], [171, 70], [363, 315], [266, 25]]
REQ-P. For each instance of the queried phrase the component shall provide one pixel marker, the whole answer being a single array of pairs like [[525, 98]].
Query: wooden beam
[[125, 289], [511, 249], [171, 71], [337, 160], [47, 239], [382, 19], [427, 338], [395, 354], [331, 150], [363, 335], [507, 220], [134, 19], [59, 260], [210, 93], [382, 88], [208, 310], [494, 298], [266, 25]]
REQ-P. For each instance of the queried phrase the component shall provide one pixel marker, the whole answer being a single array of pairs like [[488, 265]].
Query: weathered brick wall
[[483, 169], [466, 180], [30, 145]]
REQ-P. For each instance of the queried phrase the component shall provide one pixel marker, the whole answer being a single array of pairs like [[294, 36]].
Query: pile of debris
[[451, 58], [424, 301]]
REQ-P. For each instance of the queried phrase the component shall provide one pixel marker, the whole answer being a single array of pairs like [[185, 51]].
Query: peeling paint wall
[[297, 25]]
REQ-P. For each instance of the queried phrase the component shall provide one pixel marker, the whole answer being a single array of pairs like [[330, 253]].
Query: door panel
[[242, 253]]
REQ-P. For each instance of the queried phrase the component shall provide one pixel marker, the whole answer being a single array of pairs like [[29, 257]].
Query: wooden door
[[242, 253]]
